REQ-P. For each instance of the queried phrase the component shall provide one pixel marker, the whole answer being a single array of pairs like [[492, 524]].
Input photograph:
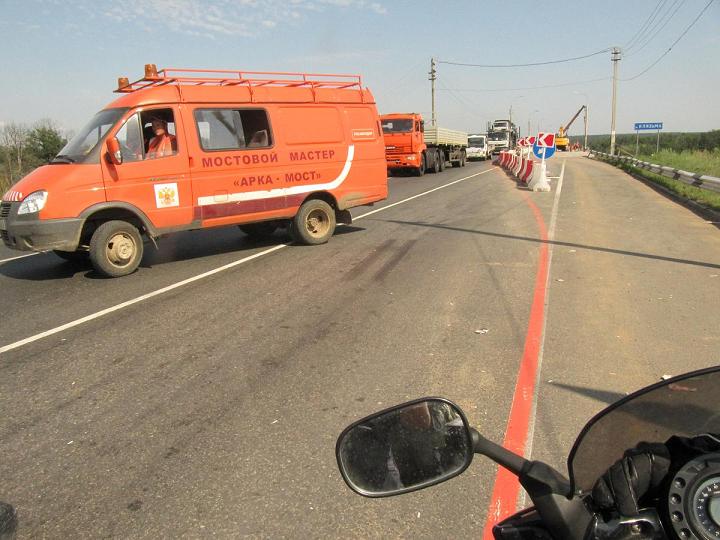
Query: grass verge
[[708, 199], [697, 161]]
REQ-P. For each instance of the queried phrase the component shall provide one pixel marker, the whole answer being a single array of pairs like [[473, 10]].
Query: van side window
[[158, 131], [131, 141], [233, 129]]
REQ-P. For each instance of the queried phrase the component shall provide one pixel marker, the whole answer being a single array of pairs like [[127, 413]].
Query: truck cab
[[477, 147], [405, 147]]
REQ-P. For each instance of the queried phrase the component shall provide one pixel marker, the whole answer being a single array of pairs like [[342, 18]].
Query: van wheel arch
[[96, 216]]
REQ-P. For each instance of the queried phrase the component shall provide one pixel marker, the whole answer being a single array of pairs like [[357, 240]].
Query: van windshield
[[477, 142], [397, 125], [84, 147]]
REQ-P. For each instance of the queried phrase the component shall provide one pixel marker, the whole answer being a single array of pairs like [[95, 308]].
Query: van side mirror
[[113, 146], [405, 448]]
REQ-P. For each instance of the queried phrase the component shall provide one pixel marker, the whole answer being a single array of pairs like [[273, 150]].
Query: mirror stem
[[511, 461]]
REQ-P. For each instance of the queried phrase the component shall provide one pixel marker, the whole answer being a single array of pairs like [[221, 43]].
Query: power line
[[679, 4], [674, 43], [645, 25], [574, 83], [524, 65]]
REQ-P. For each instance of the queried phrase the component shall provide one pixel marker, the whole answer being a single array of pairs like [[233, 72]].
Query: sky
[[60, 59]]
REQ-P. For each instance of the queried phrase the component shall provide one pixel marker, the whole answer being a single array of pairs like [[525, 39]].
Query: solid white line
[[20, 257], [198, 277], [422, 194], [551, 239]]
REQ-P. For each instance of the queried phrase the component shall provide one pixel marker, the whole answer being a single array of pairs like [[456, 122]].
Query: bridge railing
[[702, 181]]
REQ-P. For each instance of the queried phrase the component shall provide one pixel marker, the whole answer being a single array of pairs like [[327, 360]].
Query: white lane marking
[[198, 277], [423, 194], [551, 239], [20, 257], [282, 192]]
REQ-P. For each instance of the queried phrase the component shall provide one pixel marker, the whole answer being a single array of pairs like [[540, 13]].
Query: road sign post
[[647, 126]]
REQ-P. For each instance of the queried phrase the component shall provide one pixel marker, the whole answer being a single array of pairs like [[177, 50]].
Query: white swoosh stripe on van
[[281, 192]]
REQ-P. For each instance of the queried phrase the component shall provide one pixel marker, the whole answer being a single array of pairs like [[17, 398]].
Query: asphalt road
[[212, 409]]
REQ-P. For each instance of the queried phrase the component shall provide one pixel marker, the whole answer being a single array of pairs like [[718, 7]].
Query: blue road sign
[[538, 151], [639, 126]]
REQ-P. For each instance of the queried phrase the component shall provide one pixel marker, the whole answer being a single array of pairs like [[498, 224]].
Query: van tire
[[314, 223], [259, 231], [77, 257], [116, 249]]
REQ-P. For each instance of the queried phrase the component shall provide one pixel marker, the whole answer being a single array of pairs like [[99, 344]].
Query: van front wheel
[[116, 249], [314, 223]]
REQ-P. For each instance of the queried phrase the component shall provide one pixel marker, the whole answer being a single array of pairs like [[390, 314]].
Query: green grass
[[709, 199], [696, 161]]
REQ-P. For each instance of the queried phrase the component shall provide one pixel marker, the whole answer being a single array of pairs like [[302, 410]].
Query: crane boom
[[567, 126]]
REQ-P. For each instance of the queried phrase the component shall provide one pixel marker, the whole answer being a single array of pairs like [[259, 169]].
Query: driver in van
[[163, 143]]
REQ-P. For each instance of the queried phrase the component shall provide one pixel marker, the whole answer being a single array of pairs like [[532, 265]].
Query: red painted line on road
[[507, 487]]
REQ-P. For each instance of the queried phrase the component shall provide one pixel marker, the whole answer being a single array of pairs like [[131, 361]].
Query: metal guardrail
[[702, 181]]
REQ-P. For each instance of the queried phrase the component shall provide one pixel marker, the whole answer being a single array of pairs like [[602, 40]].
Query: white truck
[[502, 135], [477, 147]]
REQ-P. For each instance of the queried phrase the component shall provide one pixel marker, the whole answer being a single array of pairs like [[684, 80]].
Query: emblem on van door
[[166, 195]]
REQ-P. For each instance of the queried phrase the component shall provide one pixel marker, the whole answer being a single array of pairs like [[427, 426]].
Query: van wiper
[[62, 158]]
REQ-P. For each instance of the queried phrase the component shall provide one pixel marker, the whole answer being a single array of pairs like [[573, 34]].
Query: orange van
[[185, 149]]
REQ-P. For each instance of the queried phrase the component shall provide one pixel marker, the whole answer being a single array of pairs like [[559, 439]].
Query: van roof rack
[[221, 77]]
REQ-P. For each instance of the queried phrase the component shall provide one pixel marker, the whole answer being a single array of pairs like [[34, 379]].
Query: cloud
[[243, 18]]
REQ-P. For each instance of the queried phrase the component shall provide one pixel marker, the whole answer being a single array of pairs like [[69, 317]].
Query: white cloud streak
[[243, 18]]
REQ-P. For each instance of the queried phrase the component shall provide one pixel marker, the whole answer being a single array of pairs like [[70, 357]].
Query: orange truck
[[410, 146], [184, 149]]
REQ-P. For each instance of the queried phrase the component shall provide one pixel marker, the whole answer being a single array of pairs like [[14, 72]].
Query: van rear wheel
[[116, 249], [314, 223]]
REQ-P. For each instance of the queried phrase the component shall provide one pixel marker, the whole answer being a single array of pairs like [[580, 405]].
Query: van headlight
[[33, 203]]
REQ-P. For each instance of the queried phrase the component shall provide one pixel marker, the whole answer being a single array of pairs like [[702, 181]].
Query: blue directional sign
[[538, 151], [640, 126]]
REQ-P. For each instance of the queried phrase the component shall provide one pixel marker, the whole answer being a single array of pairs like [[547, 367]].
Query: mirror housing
[[114, 152], [405, 448]]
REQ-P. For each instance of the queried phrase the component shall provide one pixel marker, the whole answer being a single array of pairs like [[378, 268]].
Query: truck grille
[[5, 209]]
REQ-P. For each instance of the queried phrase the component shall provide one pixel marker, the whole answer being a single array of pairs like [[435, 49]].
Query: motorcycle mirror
[[405, 448]]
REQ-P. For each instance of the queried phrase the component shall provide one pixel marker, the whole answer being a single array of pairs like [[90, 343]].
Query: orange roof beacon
[[184, 149]]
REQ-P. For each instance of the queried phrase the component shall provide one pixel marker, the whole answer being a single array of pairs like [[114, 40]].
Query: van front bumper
[[25, 232]]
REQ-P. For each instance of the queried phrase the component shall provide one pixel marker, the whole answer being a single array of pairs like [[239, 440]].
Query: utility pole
[[615, 58], [586, 125], [511, 113], [433, 76]]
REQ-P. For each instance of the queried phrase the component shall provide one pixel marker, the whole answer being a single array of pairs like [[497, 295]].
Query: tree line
[[23, 148], [677, 142]]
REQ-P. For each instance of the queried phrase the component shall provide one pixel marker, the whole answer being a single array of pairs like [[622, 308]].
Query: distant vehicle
[[410, 146], [502, 135], [187, 149], [502, 125], [562, 141], [477, 147]]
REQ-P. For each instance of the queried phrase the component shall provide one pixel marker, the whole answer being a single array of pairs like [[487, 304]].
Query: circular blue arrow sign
[[538, 151]]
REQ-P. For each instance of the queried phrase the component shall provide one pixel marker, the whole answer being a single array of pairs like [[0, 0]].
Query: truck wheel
[[314, 223], [436, 163], [73, 256], [116, 249], [259, 231], [462, 159], [441, 160], [420, 171]]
